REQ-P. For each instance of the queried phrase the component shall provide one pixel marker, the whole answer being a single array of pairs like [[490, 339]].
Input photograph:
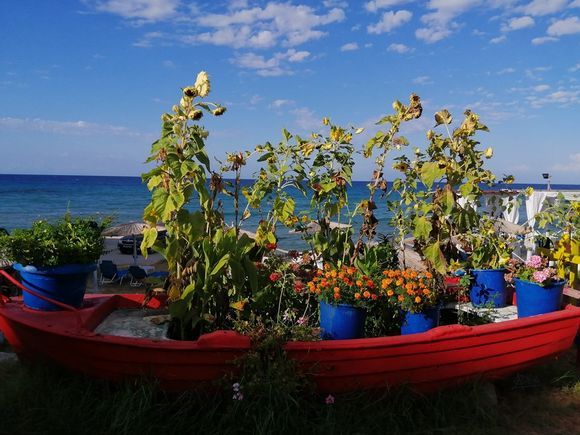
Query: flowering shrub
[[536, 270], [346, 285], [409, 289]]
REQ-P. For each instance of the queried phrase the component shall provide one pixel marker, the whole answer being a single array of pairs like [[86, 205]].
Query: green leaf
[[443, 117], [430, 172], [434, 255], [422, 227], [149, 237], [220, 265], [448, 201]]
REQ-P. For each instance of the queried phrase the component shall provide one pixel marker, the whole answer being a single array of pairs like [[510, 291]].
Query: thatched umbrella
[[129, 229]]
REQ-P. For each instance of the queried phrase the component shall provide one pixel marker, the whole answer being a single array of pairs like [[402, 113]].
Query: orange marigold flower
[[418, 299], [336, 289], [319, 272], [390, 293], [357, 296], [337, 296], [359, 283], [400, 298], [367, 294], [370, 284], [428, 275], [384, 284], [386, 272], [333, 274], [374, 297], [327, 266], [400, 281], [426, 292], [351, 270]]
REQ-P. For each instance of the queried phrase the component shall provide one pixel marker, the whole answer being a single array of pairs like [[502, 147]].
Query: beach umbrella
[[129, 229]]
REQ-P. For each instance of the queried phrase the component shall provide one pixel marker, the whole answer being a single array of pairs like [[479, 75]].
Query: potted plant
[[55, 259], [538, 287], [412, 292], [489, 254], [345, 294]]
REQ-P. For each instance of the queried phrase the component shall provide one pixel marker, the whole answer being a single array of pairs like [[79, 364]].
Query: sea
[[26, 198]]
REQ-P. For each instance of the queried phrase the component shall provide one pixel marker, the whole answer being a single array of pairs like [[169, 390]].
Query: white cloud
[[399, 48], [544, 7], [439, 23], [497, 40], [274, 66], [390, 21], [575, 67], [64, 127], [148, 39], [541, 88], [562, 97], [306, 119], [375, 5], [567, 26], [141, 10], [335, 4], [543, 39], [422, 80], [277, 104], [574, 4], [572, 165], [351, 46], [518, 23], [258, 27], [506, 71]]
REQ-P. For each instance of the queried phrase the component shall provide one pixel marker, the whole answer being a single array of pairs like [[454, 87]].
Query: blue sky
[[83, 83]]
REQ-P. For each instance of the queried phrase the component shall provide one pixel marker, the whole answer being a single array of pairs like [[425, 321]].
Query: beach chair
[[110, 274], [137, 276]]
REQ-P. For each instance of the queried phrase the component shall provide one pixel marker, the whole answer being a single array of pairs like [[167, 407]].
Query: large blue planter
[[341, 322], [488, 288], [414, 323], [66, 284], [534, 299]]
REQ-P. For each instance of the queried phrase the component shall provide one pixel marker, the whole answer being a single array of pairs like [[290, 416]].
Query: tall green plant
[[452, 165], [209, 266]]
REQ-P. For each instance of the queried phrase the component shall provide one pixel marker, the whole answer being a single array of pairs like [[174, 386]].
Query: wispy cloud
[[390, 21], [399, 48], [498, 39], [543, 40], [277, 65], [375, 5], [422, 80], [518, 24], [66, 127], [139, 10], [572, 164], [567, 26], [306, 119], [544, 7], [351, 46]]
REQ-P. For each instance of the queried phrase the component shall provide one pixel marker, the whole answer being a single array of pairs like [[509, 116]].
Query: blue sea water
[[26, 198]]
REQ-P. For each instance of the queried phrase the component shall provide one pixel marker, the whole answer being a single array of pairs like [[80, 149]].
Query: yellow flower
[[488, 153], [202, 85]]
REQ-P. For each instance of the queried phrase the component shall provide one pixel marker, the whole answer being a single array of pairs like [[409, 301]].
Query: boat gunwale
[[221, 340]]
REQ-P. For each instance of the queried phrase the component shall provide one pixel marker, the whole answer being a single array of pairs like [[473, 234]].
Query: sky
[[83, 83]]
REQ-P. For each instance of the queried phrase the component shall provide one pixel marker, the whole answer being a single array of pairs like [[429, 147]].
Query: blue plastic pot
[[341, 322], [66, 284], [413, 323], [488, 288], [534, 299]]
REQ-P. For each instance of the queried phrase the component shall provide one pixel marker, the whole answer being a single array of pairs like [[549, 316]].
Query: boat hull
[[441, 357]]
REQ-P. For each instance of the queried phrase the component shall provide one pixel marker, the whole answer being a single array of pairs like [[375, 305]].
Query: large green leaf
[[430, 172], [422, 227], [149, 237], [220, 265], [435, 256]]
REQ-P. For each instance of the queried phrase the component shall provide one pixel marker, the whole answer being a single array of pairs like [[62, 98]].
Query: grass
[[40, 399]]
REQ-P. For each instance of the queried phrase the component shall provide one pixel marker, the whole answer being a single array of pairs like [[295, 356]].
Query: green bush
[[67, 241]]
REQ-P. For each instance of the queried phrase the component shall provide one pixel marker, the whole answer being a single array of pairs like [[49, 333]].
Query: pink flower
[[274, 276], [541, 275], [302, 320], [535, 262], [329, 399]]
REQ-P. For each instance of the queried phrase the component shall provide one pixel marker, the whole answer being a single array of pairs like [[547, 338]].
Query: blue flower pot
[[488, 288], [341, 322], [534, 299], [66, 284], [413, 323]]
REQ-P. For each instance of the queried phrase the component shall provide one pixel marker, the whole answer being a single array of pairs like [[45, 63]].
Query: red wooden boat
[[442, 357]]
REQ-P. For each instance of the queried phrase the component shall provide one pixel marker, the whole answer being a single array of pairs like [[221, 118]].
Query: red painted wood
[[438, 358]]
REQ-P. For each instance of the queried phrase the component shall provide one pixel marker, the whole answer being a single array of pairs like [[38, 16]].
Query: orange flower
[[426, 292], [428, 275], [359, 283], [367, 294], [351, 270], [374, 297], [336, 296], [370, 284], [390, 293], [336, 289], [400, 298], [357, 296], [418, 299]]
